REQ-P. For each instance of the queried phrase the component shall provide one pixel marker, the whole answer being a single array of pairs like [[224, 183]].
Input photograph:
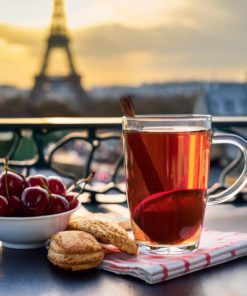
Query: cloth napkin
[[215, 248]]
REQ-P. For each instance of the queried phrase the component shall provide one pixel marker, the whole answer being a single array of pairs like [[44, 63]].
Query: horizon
[[178, 40], [144, 83]]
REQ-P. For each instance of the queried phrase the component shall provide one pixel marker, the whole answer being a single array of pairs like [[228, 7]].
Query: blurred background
[[76, 58]]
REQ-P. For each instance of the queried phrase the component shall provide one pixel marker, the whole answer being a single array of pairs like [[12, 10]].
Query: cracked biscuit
[[111, 218], [105, 232]]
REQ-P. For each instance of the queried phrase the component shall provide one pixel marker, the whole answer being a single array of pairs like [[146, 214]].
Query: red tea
[[167, 177]]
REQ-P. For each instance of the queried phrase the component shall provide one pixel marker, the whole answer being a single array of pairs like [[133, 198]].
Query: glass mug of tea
[[167, 161]]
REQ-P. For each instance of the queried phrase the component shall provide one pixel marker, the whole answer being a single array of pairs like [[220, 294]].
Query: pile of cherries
[[34, 196]]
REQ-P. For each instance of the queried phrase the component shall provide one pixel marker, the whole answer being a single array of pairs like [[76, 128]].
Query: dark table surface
[[28, 272]]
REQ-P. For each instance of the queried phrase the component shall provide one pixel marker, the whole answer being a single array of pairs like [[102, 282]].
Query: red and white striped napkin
[[215, 248]]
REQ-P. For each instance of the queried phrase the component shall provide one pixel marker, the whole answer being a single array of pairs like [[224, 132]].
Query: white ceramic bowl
[[32, 232]]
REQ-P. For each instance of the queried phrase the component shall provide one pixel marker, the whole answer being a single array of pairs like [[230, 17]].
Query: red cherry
[[15, 183], [37, 180], [70, 196], [59, 204], [3, 206], [72, 200], [35, 201], [14, 205], [56, 185], [73, 204]]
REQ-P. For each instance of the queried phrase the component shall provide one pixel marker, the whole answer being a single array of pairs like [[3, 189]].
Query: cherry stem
[[51, 203], [6, 167], [86, 180], [77, 183], [45, 186], [19, 174]]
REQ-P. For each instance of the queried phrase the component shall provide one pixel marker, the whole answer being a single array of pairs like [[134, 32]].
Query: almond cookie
[[105, 232], [75, 250]]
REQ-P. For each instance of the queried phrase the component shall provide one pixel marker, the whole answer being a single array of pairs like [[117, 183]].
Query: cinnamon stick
[[128, 107], [140, 153]]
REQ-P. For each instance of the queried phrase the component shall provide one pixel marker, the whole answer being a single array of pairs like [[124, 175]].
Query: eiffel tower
[[45, 83]]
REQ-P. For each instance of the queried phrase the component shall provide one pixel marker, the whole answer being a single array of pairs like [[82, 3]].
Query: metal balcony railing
[[73, 147]]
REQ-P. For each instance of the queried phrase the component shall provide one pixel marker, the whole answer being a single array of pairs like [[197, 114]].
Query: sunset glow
[[128, 42], [29, 13]]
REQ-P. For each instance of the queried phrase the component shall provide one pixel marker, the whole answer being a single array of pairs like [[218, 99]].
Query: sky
[[128, 42]]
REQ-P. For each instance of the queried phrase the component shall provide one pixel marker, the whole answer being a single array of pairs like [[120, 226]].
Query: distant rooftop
[[216, 98]]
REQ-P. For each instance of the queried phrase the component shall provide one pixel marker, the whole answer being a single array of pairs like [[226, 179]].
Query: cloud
[[190, 46], [118, 39], [25, 36]]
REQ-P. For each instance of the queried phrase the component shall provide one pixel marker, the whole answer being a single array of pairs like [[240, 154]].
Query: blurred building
[[216, 98], [223, 99]]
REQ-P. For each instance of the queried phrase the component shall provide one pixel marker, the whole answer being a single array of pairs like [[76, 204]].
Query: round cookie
[[105, 232], [75, 250]]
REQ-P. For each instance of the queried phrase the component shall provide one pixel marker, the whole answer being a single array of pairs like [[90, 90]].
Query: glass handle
[[220, 138]]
